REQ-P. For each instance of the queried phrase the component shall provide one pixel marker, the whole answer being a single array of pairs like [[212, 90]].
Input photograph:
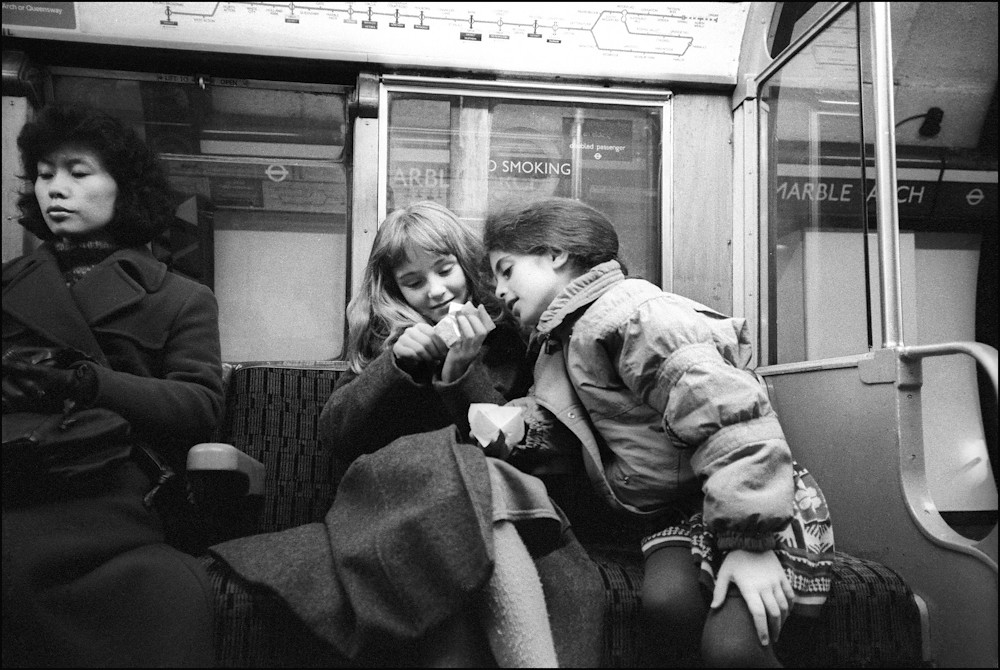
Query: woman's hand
[[764, 587], [29, 382], [418, 344], [465, 349]]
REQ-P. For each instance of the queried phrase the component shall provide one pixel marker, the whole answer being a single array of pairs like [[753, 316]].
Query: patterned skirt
[[804, 547]]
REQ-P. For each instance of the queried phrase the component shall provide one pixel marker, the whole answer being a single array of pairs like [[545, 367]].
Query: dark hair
[[554, 225], [143, 208]]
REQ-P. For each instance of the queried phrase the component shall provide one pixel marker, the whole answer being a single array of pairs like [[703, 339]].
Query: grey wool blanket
[[408, 543]]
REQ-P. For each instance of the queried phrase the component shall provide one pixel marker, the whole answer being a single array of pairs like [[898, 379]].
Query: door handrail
[[984, 355]]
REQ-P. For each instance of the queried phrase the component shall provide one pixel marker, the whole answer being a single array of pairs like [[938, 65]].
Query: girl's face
[[430, 281], [528, 283], [74, 191]]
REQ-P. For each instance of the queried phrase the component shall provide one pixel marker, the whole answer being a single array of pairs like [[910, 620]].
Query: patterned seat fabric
[[870, 618], [272, 414]]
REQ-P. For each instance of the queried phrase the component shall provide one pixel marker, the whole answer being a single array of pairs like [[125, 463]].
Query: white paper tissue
[[447, 328], [487, 421]]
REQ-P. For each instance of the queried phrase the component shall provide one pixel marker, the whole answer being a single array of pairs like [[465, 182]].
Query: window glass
[[260, 186], [478, 154], [813, 202]]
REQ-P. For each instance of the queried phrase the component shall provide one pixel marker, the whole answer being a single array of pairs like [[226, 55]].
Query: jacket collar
[[579, 294], [35, 293], [119, 281]]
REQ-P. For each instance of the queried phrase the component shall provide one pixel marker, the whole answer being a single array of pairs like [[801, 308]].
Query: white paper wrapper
[[487, 421], [447, 328]]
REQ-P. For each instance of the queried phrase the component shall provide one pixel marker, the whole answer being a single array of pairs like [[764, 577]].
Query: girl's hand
[[466, 349], [418, 344], [764, 587]]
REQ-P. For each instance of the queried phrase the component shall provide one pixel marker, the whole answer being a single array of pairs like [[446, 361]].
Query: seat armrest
[[218, 456]]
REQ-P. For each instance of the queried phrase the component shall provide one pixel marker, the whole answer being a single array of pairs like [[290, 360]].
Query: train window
[[261, 187], [478, 152], [813, 202]]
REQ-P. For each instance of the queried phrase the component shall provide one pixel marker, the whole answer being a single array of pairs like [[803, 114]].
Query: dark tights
[[679, 631]]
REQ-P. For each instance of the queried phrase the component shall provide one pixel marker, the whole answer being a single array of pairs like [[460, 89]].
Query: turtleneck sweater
[[78, 257]]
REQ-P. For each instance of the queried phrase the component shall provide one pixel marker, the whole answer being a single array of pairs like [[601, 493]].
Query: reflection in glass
[[261, 190], [478, 154], [813, 201]]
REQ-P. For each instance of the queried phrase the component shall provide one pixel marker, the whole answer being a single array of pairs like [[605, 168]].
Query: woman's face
[[75, 192], [430, 281]]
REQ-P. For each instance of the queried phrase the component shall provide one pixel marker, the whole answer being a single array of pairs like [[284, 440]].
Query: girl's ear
[[559, 258]]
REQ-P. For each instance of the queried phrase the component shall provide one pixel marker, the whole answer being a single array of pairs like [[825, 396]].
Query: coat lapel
[[39, 299], [105, 290]]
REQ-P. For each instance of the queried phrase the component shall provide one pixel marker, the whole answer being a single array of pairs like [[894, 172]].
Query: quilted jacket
[[654, 386]]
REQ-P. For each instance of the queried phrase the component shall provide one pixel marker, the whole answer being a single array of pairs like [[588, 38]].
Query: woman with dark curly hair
[[111, 371]]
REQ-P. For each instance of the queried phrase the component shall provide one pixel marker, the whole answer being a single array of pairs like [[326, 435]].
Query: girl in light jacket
[[674, 434]]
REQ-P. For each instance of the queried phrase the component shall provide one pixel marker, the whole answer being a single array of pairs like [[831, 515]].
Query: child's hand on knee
[[763, 585]]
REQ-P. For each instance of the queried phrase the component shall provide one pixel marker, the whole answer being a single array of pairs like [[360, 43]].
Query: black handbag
[[63, 445], [58, 440]]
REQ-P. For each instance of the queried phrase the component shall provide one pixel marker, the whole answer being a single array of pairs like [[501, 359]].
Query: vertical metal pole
[[885, 175], [367, 199]]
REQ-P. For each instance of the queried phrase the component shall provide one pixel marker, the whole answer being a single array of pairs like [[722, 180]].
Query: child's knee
[[676, 602], [730, 639], [729, 651], [670, 587]]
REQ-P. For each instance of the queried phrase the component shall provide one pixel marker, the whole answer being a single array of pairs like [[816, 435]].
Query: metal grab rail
[[984, 355], [885, 179]]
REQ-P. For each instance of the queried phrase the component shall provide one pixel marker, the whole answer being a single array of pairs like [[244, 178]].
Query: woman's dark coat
[[87, 577], [156, 332]]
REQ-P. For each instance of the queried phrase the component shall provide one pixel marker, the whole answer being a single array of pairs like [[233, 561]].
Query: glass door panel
[[813, 202]]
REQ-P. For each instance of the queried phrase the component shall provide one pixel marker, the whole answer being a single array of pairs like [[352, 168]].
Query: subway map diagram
[[682, 41]]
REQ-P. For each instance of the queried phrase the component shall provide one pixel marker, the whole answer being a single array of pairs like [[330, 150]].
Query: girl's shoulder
[[619, 301], [632, 294], [668, 318]]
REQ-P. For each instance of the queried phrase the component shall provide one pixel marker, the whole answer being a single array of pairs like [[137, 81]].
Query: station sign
[[920, 193]]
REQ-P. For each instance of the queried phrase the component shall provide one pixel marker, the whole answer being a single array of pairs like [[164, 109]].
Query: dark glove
[[41, 387]]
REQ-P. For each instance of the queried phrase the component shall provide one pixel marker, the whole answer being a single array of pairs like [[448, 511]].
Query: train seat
[[871, 618]]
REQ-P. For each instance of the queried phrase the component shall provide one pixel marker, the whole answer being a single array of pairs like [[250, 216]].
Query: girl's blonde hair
[[378, 313]]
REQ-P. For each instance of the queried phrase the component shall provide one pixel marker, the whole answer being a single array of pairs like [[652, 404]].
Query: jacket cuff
[[420, 374], [730, 540]]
